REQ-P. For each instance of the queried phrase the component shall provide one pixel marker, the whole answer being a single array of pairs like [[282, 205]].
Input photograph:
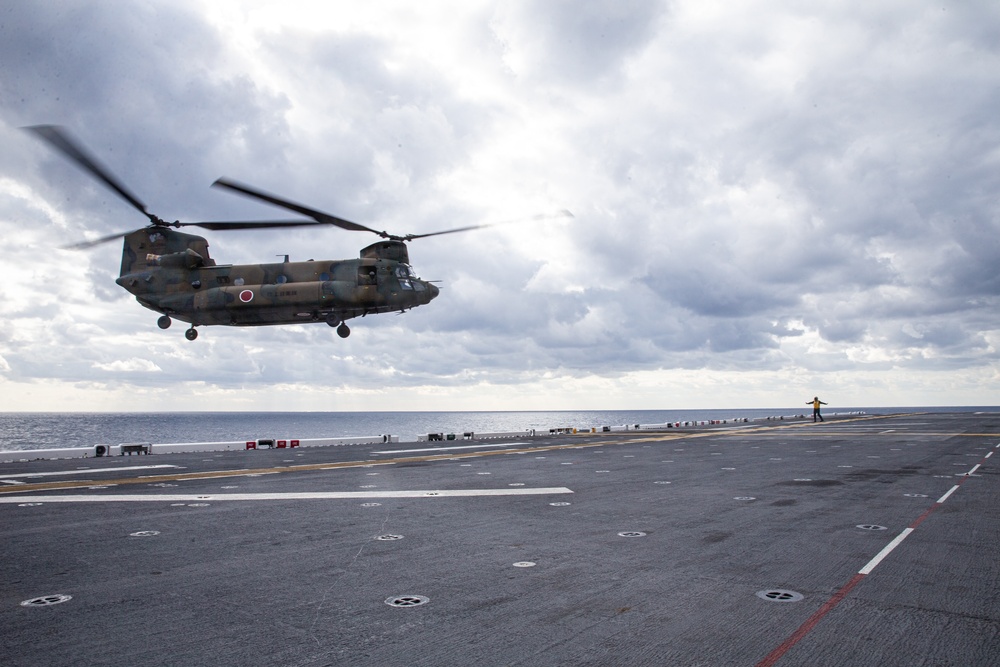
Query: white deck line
[[85, 471], [317, 495]]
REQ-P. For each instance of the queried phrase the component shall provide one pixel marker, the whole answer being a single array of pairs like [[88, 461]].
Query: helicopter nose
[[432, 291]]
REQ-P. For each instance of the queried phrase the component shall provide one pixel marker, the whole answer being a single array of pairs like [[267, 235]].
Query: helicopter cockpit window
[[403, 274]]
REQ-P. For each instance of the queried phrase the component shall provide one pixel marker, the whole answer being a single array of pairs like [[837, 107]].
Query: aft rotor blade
[[544, 216], [104, 239], [214, 226], [318, 216], [59, 139]]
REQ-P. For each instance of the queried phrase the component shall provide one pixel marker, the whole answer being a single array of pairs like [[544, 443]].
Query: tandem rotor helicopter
[[172, 273]]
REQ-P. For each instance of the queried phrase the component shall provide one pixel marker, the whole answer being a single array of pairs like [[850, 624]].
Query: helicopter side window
[[366, 275]]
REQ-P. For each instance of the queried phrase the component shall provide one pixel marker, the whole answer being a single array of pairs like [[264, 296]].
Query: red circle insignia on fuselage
[[246, 296]]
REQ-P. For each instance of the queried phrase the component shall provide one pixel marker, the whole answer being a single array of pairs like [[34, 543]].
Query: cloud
[[129, 366], [769, 195]]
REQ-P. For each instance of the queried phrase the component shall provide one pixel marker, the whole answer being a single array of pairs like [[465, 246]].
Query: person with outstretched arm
[[816, 403]]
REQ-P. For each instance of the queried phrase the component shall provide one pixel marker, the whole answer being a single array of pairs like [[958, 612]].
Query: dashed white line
[[945, 496], [873, 563]]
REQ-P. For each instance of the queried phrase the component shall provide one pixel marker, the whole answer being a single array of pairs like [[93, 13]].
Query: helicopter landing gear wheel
[[191, 333], [332, 320], [164, 322], [343, 330]]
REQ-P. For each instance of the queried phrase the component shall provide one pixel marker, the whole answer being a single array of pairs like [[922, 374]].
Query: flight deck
[[864, 541]]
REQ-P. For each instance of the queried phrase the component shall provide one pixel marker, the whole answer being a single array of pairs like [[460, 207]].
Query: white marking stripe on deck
[[873, 563], [85, 471], [317, 495], [945, 496]]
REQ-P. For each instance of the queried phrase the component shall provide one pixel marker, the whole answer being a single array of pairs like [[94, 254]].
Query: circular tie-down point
[[389, 538], [744, 498], [915, 495], [144, 533], [559, 504], [47, 600], [524, 563], [632, 533], [870, 526], [407, 600], [780, 595], [371, 504]]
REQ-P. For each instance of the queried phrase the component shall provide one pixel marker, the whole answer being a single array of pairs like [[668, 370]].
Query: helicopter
[[172, 273]]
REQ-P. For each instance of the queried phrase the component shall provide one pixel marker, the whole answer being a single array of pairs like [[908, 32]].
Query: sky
[[771, 200]]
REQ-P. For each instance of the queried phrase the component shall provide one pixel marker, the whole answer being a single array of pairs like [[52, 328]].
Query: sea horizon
[[42, 430]]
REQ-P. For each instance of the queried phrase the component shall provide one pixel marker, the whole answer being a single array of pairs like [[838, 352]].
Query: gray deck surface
[[727, 515]]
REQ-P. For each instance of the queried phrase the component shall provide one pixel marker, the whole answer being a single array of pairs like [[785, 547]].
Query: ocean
[[32, 430]]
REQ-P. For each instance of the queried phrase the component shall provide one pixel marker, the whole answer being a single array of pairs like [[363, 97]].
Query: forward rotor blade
[[543, 216], [250, 224], [318, 216], [59, 139]]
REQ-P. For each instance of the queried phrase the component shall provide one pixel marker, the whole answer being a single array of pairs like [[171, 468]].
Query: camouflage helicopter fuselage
[[172, 273]]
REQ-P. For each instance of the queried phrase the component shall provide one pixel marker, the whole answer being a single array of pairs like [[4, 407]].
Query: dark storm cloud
[[137, 87]]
